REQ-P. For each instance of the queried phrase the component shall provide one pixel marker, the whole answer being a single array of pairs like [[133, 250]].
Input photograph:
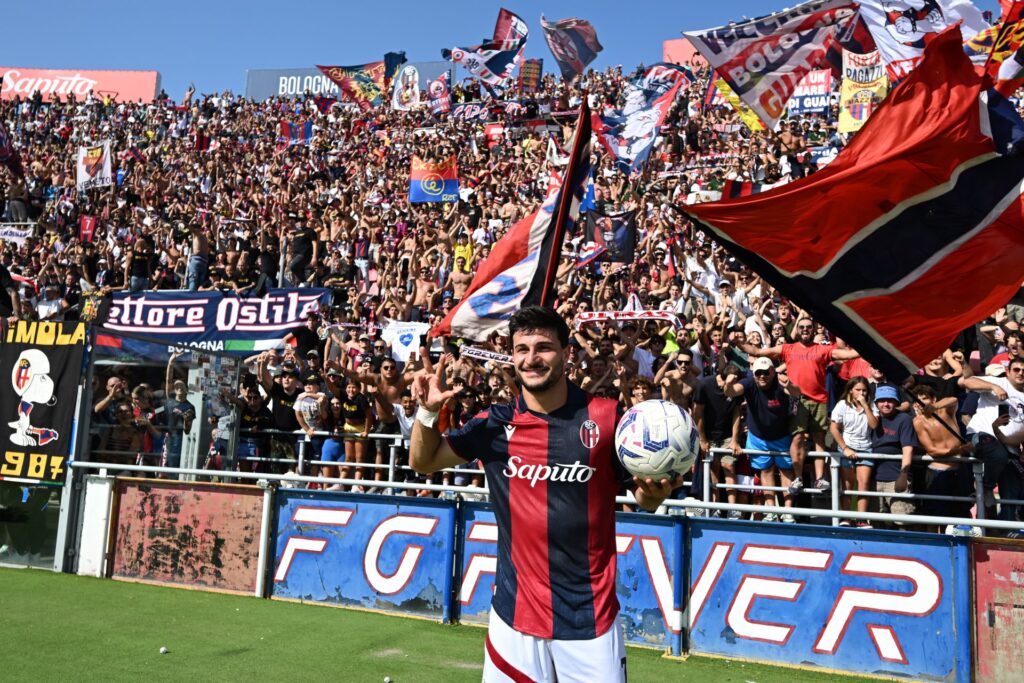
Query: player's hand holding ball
[[657, 442]]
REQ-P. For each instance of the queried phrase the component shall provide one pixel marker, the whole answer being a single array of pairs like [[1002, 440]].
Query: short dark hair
[[730, 369], [532, 318], [924, 391], [1016, 360]]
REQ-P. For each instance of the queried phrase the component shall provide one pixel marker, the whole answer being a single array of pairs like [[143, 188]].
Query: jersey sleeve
[[473, 440]]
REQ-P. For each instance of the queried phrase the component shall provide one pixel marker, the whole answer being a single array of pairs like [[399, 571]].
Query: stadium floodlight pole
[[566, 195]]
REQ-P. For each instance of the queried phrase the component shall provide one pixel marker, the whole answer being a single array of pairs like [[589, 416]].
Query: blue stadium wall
[[894, 604]]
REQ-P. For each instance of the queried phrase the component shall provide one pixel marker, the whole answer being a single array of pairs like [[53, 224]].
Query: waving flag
[[629, 133], [362, 84], [529, 76], [433, 182], [440, 95], [615, 235], [573, 42], [521, 268], [913, 233], [493, 61], [295, 133], [902, 28], [764, 59], [1004, 55]]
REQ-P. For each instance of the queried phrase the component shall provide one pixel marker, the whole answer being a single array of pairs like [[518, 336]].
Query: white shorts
[[511, 656]]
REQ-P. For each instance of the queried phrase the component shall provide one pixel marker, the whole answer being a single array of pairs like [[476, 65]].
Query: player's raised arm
[[428, 452]]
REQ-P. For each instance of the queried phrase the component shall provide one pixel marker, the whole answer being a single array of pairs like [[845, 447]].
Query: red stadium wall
[[998, 610], [203, 535]]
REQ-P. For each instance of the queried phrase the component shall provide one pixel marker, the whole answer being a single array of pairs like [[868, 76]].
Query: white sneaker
[[787, 518], [770, 517], [735, 514], [797, 486]]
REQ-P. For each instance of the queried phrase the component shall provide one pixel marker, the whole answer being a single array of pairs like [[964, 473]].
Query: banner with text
[[93, 166], [216, 321], [60, 84], [813, 94], [859, 602], [649, 587], [40, 369], [376, 552]]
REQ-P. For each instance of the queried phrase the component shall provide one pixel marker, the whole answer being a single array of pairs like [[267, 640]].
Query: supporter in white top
[[853, 418], [997, 431]]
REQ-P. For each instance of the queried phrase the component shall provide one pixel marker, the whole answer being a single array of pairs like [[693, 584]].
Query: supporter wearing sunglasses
[[808, 362], [769, 394]]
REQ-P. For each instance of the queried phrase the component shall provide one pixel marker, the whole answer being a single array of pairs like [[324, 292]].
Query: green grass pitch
[[56, 627]]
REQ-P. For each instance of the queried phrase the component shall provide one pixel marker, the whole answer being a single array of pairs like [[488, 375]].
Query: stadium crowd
[[207, 198]]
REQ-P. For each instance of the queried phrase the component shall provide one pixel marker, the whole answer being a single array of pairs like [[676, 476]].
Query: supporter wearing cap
[[769, 395], [282, 394], [894, 435], [311, 412], [807, 363]]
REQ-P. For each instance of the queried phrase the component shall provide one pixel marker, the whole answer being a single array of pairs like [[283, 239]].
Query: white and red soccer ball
[[657, 439]]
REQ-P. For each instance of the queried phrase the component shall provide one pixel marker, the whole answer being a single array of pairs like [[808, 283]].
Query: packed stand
[[207, 199]]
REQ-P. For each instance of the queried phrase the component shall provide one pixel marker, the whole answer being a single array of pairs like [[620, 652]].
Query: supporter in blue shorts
[[334, 445], [769, 394]]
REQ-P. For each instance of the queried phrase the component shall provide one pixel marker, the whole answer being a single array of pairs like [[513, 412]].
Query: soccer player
[[553, 478]]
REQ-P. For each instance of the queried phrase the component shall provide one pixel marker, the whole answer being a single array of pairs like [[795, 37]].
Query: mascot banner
[[40, 368]]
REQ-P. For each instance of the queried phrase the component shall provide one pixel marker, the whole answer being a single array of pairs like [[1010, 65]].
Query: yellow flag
[[747, 114], [858, 100]]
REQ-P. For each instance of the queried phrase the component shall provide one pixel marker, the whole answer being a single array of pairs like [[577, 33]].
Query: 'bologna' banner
[[40, 368], [764, 59], [433, 181], [215, 321]]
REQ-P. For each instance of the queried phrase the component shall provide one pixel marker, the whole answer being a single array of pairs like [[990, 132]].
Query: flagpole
[[565, 203]]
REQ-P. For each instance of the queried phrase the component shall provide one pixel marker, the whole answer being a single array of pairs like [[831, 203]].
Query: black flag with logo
[[615, 233], [40, 369]]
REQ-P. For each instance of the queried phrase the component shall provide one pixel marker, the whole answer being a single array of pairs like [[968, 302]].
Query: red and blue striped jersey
[[553, 479]]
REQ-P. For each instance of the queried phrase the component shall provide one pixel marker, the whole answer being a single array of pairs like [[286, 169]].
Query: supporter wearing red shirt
[[807, 363]]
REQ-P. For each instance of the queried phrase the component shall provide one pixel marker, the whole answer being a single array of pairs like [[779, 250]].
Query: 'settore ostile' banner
[[215, 321]]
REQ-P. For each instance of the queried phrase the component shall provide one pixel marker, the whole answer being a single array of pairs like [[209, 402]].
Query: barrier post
[[300, 467], [261, 563], [837, 484], [706, 477], [979, 488], [392, 457]]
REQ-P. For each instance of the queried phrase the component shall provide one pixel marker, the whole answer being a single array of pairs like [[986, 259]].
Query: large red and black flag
[[520, 271], [913, 233]]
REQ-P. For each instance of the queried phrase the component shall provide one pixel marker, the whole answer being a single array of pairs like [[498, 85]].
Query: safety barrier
[[891, 603]]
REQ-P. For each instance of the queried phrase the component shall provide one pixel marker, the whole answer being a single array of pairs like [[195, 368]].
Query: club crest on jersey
[[590, 434]]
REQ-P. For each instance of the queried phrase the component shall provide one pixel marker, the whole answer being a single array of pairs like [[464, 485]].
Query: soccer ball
[[656, 439]]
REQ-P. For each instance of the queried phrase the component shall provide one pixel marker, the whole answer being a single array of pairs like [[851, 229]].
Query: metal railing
[[837, 491], [394, 467], [291, 480]]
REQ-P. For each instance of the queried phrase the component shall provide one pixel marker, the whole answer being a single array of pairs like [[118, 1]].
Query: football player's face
[[539, 359]]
